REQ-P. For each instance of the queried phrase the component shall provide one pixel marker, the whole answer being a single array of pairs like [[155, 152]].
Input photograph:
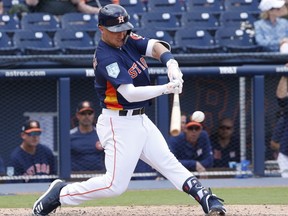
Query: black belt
[[134, 112]]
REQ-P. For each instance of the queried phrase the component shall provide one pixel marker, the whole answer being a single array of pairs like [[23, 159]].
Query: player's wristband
[[165, 57]]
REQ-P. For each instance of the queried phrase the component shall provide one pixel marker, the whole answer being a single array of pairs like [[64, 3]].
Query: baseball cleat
[[49, 201], [211, 204]]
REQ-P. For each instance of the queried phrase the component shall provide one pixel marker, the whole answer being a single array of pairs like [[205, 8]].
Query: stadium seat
[[161, 21], [195, 40], [242, 5], [8, 4], [9, 23], [233, 39], [34, 42], [238, 18], [171, 6], [205, 5], [202, 20], [40, 22], [134, 6], [72, 41], [157, 34], [135, 20], [6, 45], [80, 22]]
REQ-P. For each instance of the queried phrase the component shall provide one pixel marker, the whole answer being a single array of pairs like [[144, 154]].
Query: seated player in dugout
[[87, 153], [192, 147], [226, 147], [31, 158]]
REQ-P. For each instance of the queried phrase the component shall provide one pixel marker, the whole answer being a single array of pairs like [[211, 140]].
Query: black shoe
[[49, 201], [211, 204]]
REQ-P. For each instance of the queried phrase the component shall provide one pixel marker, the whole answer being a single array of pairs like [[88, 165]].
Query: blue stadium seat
[[205, 5], [8, 4], [233, 39], [134, 6], [238, 18], [171, 6], [242, 5], [195, 40], [202, 20], [72, 41], [9, 23], [157, 34], [6, 45], [80, 22], [34, 42], [40, 22], [135, 20], [161, 21]]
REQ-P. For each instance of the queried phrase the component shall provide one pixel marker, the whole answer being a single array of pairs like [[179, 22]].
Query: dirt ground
[[241, 210]]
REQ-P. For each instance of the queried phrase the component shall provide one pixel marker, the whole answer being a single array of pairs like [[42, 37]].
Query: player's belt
[[130, 112], [134, 112]]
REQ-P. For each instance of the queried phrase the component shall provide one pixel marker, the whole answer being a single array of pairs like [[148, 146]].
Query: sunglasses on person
[[34, 133], [194, 128], [224, 127], [86, 113]]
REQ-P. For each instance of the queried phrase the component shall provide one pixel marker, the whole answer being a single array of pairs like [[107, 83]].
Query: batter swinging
[[123, 86]]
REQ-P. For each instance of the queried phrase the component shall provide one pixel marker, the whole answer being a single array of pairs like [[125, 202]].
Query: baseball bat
[[175, 124]]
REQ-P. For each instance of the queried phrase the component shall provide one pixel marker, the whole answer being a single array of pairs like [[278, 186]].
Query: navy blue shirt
[[188, 154], [116, 66], [84, 154], [222, 156], [41, 163], [280, 133]]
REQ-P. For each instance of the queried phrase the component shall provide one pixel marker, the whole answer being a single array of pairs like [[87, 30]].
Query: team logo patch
[[113, 70]]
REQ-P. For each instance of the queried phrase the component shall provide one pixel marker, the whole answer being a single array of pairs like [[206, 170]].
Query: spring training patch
[[113, 70]]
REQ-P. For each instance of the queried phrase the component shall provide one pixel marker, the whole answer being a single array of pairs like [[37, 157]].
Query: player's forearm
[[140, 93]]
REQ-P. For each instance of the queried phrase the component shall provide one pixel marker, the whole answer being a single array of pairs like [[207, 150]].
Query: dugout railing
[[255, 75]]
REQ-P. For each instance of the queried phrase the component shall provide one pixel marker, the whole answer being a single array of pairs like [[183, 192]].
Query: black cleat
[[49, 201]]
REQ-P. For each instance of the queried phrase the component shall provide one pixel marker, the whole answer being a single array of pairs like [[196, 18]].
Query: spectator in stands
[[60, 7], [271, 31], [1, 7], [279, 139], [192, 147], [226, 147], [87, 153], [32, 158], [2, 167]]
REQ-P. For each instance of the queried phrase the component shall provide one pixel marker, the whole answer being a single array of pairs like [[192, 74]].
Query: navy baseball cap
[[31, 126], [84, 106]]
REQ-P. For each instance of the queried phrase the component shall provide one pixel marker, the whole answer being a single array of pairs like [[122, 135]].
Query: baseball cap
[[31, 126], [84, 106], [266, 5], [193, 123]]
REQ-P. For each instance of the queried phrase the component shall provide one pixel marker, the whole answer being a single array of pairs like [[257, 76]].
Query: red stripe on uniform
[[114, 170]]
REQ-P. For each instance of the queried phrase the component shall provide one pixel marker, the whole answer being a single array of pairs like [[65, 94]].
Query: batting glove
[[175, 86], [174, 72]]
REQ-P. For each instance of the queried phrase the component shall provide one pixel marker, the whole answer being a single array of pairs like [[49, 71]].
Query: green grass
[[232, 196]]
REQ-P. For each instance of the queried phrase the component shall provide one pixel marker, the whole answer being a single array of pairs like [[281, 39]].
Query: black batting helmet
[[114, 18]]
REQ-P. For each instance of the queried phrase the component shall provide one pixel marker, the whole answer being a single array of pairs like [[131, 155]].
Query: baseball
[[198, 116]]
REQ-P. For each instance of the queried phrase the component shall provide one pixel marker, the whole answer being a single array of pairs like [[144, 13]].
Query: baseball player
[[126, 133]]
